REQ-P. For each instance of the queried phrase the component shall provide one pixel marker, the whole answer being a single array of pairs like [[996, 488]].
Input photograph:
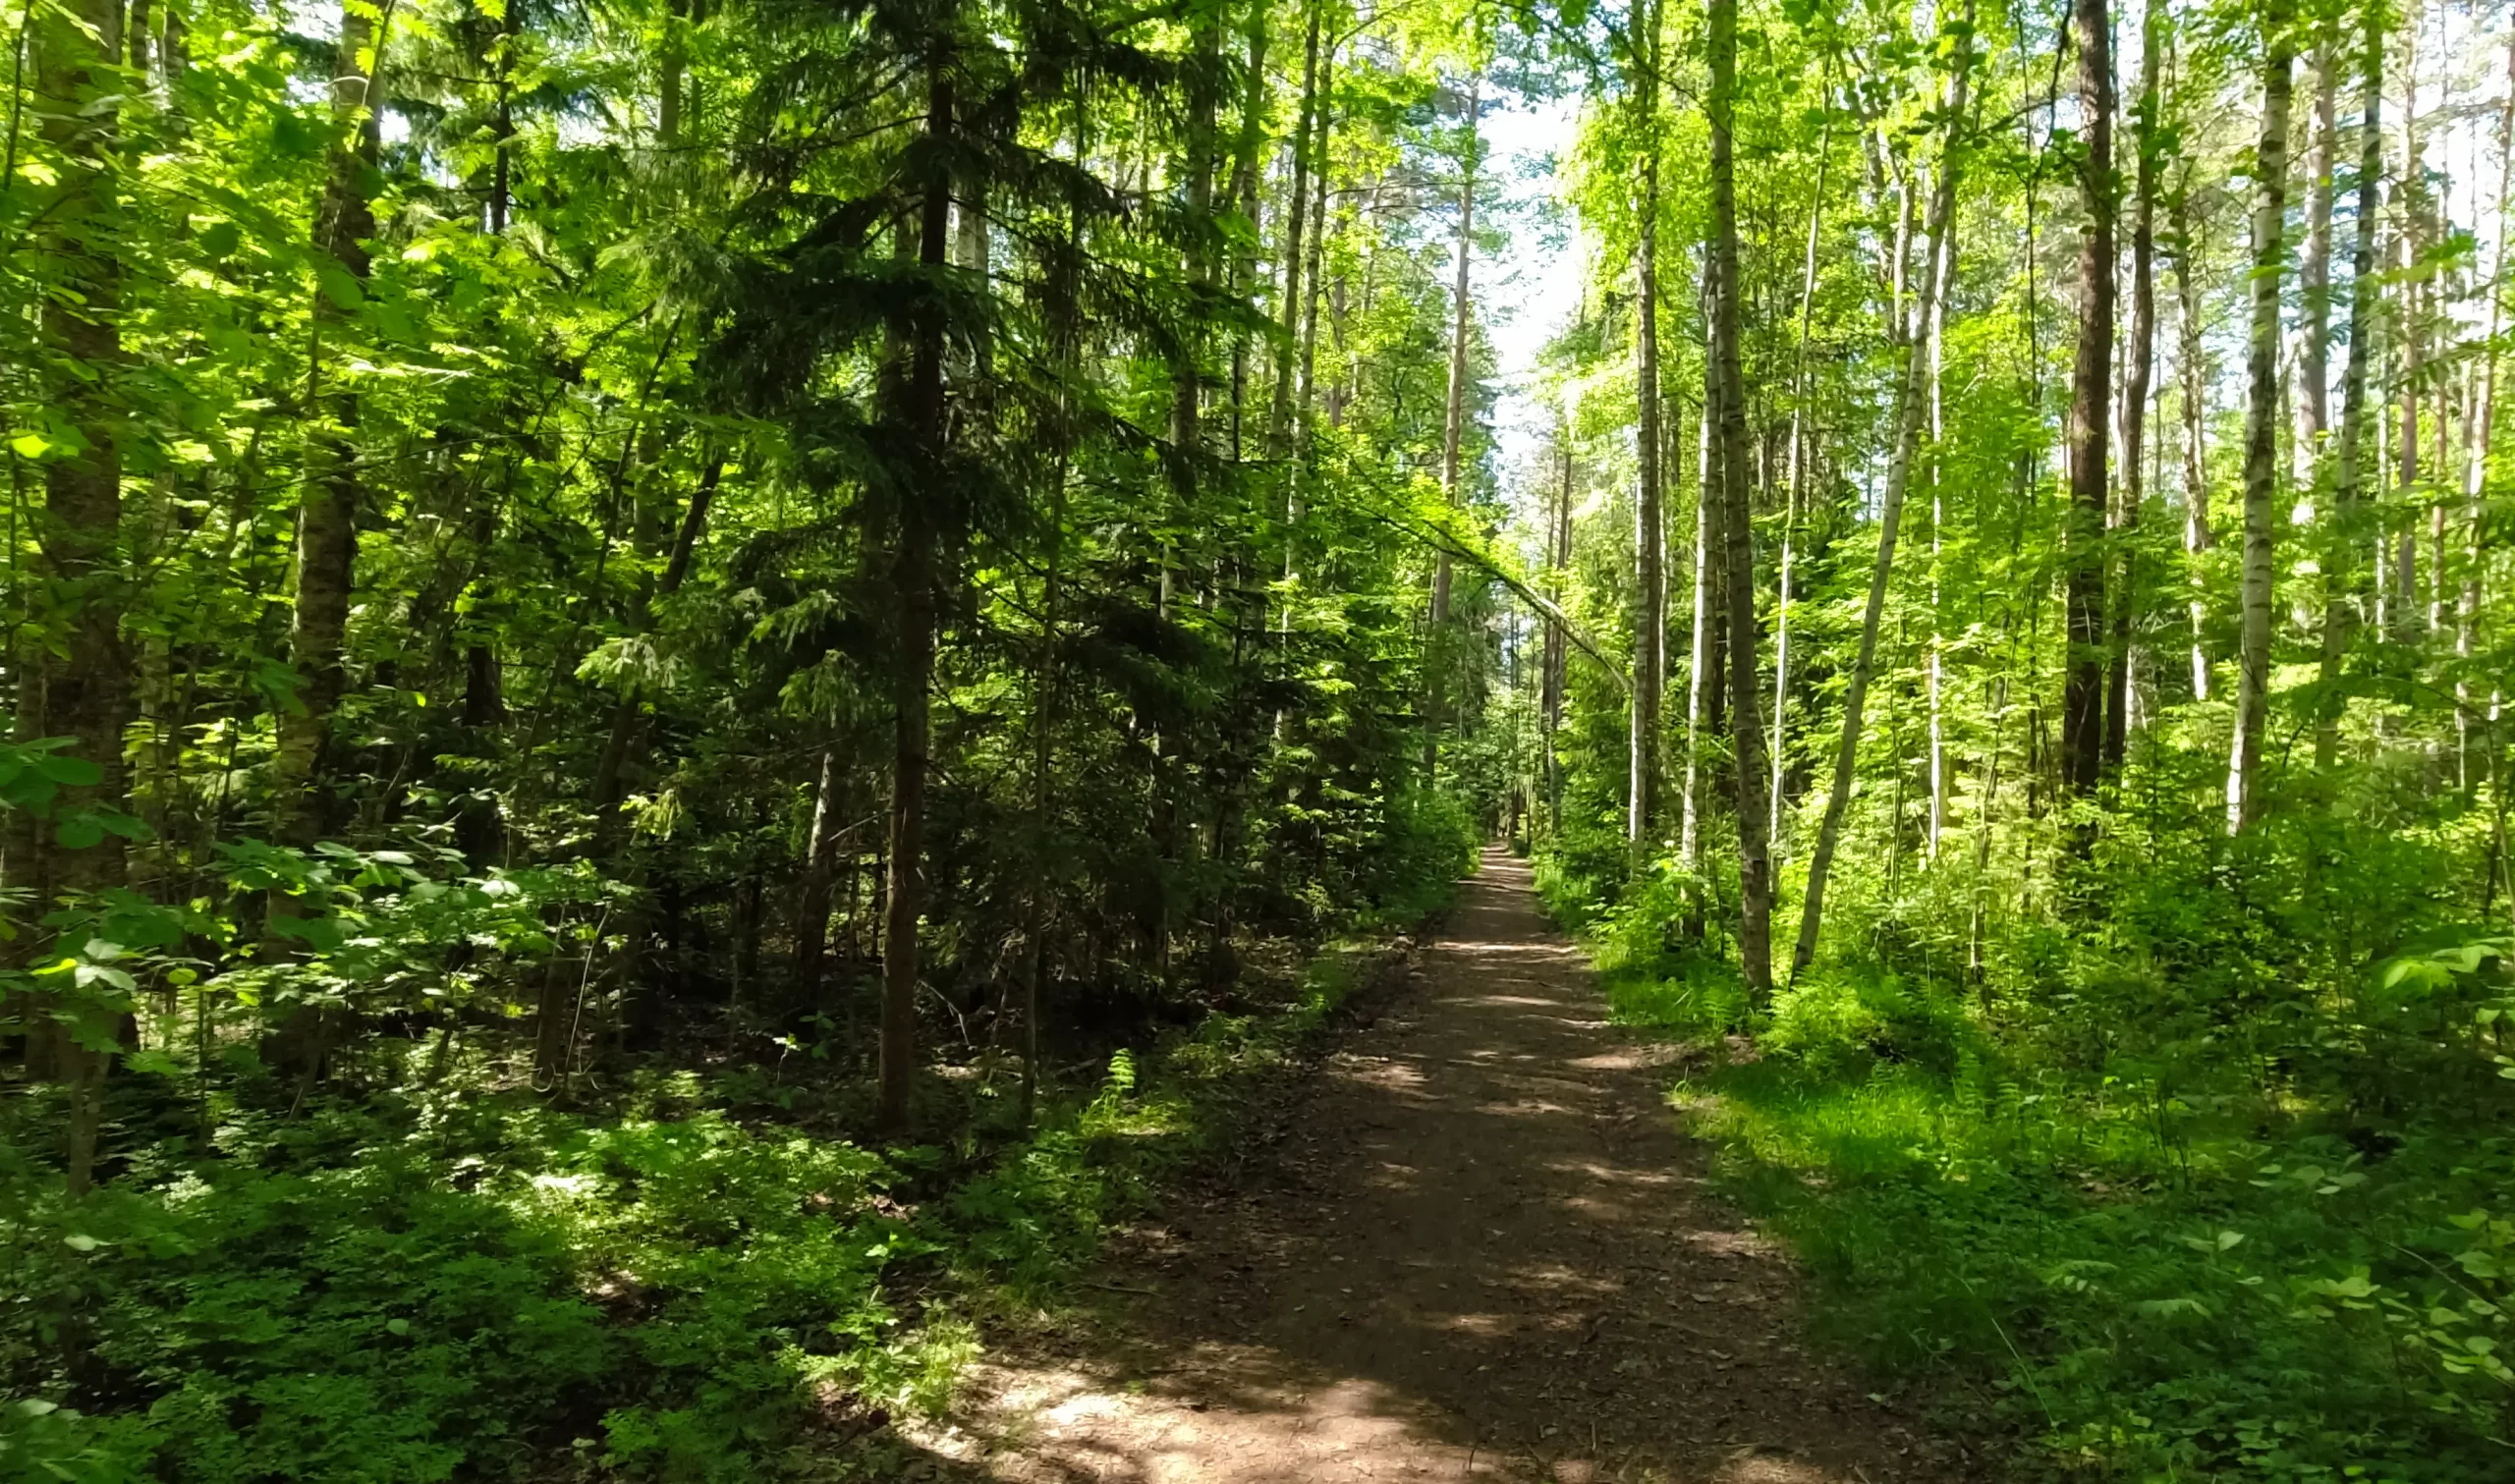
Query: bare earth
[[1481, 1247]]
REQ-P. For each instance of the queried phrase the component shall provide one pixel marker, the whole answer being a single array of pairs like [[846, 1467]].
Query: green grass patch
[[2133, 1272], [458, 1285]]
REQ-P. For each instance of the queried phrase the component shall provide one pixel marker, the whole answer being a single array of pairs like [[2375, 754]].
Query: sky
[[1534, 289]]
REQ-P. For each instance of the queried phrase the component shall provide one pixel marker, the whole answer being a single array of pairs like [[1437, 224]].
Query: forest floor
[[1475, 1243]]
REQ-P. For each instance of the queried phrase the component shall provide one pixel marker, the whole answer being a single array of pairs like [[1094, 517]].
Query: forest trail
[[1479, 1248]]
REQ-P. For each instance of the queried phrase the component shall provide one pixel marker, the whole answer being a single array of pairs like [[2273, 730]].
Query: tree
[[2091, 394], [1746, 726], [2344, 583], [2262, 413], [1650, 622], [1911, 401]]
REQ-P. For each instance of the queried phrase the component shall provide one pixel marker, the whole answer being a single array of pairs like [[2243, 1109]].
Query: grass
[[691, 1284], [2151, 1269]]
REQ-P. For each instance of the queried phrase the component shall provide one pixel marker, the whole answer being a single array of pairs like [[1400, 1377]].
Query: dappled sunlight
[[1477, 1250]]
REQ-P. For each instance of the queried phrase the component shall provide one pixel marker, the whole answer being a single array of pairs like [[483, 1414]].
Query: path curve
[[1484, 1250]]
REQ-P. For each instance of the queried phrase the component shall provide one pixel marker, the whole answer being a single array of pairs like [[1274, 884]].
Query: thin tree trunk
[[1650, 619], [1702, 667], [1792, 512], [2261, 426], [2141, 358], [2192, 366], [2314, 268], [2476, 431], [1910, 405], [913, 580], [812, 900], [1068, 320], [2083, 690], [1558, 553], [1311, 292], [1453, 435], [2344, 575], [1754, 866], [327, 510], [1305, 420], [1279, 419], [2408, 329]]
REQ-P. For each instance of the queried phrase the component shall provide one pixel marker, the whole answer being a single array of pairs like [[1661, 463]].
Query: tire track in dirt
[[1483, 1248]]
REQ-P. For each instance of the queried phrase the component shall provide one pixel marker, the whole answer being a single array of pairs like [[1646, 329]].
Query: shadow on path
[[1484, 1250]]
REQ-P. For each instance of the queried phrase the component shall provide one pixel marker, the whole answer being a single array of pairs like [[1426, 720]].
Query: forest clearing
[[1257, 739]]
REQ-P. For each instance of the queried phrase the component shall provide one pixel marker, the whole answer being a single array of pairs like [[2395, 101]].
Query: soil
[[1477, 1244]]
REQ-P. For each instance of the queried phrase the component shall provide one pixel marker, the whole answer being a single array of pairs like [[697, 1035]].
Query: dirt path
[[1482, 1248]]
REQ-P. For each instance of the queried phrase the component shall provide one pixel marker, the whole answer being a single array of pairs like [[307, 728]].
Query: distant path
[[1481, 1247]]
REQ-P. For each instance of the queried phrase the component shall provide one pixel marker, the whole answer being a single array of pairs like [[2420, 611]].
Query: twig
[[1120, 1288]]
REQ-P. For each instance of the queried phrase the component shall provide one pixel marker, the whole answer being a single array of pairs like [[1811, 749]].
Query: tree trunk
[[1909, 403], [2083, 690], [2344, 575], [1701, 665], [83, 691], [2141, 358], [1754, 866], [1453, 433], [1558, 556], [327, 510], [1650, 616], [1279, 417], [1792, 511], [2408, 327], [2475, 438], [2191, 364], [2314, 269], [912, 581], [2262, 425], [813, 897]]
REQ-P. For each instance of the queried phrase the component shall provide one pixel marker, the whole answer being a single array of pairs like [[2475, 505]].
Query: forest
[[694, 685]]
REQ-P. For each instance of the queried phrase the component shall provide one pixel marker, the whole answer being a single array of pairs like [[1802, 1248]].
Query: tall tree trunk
[[2477, 432], [2139, 358], [2192, 366], [1453, 434], [84, 690], [1243, 194], [1311, 292], [2408, 328], [2261, 423], [1910, 404], [1650, 616], [1558, 556], [1187, 432], [1304, 411], [2314, 268], [1065, 317], [1795, 508], [1703, 677], [2091, 386], [913, 580], [2344, 575], [1746, 727], [1279, 417], [327, 510]]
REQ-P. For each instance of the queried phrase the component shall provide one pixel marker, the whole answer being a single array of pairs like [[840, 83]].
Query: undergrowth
[[693, 1285], [2148, 1234]]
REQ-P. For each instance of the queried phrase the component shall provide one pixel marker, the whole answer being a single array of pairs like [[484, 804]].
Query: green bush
[[2200, 1178], [676, 1291]]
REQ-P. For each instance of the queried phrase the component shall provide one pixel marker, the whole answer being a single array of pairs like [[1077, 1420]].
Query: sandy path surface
[[1477, 1246]]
